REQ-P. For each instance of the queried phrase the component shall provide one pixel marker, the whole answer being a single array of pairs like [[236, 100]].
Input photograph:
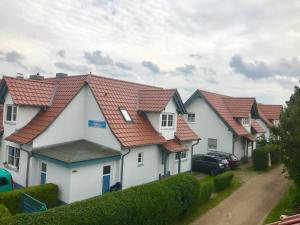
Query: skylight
[[126, 115]]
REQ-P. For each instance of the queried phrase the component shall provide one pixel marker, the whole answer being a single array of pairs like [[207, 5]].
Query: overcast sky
[[234, 47]]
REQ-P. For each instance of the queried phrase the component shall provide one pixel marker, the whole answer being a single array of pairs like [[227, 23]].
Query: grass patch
[[288, 205], [199, 209]]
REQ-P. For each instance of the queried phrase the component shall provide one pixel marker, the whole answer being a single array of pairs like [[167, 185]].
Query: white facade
[[85, 181]]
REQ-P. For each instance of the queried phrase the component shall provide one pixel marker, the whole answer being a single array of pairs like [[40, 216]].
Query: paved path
[[250, 204]]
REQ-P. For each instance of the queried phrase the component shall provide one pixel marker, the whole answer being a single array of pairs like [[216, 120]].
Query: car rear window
[[3, 181]]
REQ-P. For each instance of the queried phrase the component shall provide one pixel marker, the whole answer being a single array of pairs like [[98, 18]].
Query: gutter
[[192, 151], [122, 166]]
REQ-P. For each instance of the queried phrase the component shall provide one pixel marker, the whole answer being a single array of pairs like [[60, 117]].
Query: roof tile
[[174, 146]]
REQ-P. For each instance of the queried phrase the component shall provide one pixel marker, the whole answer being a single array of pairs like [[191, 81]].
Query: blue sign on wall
[[97, 124]]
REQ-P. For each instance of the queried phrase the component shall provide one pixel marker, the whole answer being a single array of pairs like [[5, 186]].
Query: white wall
[[185, 165], [265, 127], [239, 148], [134, 174], [155, 120], [72, 124], [208, 125]]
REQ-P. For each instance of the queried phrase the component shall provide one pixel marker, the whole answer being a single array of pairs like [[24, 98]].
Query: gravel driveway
[[251, 203]]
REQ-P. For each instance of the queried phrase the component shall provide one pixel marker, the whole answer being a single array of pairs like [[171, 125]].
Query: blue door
[[106, 179], [43, 173]]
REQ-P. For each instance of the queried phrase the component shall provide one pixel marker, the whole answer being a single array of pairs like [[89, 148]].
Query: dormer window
[[245, 121], [167, 120], [11, 113], [126, 115]]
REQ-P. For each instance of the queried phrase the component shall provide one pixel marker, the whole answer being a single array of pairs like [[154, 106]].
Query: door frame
[[110, 175]]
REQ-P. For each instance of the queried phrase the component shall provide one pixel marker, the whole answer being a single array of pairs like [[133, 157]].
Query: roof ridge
[[28, 80]]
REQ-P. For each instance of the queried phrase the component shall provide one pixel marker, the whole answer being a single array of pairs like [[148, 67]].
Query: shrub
[[222, 181], [47, 193], [275, 152], [206, 189], [261, 158], [155, 203], [4, 212]]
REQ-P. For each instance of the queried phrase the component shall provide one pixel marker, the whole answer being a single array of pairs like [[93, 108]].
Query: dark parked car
[[231, 158], [209, 164]]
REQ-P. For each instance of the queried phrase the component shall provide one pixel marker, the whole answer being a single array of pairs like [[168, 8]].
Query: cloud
[[259, 69], [12, 57], [151, 66], [187, 69], [255, 70], [61, 53], [97, 58], [212, 81], [72, 67], [195, 56], [123, 66]]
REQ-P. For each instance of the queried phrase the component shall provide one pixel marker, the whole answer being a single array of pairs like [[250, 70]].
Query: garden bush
[[47, 193], [275, 152], [223, 180], [159, 202], [261, 158], [4, 212], [206, 189]]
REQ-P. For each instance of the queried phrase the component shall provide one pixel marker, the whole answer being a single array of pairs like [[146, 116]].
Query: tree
[[289, 136]]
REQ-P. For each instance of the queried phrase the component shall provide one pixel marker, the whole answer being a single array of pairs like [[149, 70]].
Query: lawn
[[288, 205], [199, 210]]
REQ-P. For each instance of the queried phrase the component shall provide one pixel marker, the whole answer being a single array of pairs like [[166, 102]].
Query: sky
[[238, 48]]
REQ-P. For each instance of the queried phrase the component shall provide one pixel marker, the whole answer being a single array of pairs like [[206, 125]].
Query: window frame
[[140, 159], [15, 163], [191, 117], [245, 121], [208, 144], [184, 155], [165, 123], [126, 116], [13, 113]]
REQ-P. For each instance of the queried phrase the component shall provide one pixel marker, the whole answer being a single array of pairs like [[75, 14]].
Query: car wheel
[[213, 172]]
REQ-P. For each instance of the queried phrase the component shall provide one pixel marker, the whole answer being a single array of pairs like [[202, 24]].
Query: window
[[276, 123], [167, 119], [106, 170], [43, 173], [13, 158], [126, 115], [191, 117], [11, 113], [245, 121], [183, 155], [3, 181], [140, 158], [212, 144]]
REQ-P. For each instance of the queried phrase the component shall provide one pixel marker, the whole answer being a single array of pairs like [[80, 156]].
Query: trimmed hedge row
[[206, 190], [4, 212], [261, 156], [155, 203], [222, 181], [47, 193]]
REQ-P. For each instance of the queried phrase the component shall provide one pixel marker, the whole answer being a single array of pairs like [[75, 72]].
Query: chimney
[[61, 75], [36, 77]]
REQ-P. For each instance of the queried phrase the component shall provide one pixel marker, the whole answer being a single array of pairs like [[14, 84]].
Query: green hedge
[[47, 193], [4, 212], [206, 190], [261, 158], [155, 203], [222, 181], [275, 151]]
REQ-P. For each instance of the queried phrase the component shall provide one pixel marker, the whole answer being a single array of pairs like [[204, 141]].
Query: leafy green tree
[[289, 136]]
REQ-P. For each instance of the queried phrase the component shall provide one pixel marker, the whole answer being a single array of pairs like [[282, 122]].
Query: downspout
[[29, 155], [122, 166], [179, 162], [192, 152]]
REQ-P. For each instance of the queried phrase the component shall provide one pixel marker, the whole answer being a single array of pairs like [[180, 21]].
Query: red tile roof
[[288, 220], [256, 127], [111, 95], [184, 132], [268, 113], [154, 100], [250, 137], [30, 92], [227, 108], [174, 146]]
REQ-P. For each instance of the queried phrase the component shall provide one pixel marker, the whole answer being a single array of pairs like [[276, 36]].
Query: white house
[[86, 133], [224, 123], [269, 116]]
